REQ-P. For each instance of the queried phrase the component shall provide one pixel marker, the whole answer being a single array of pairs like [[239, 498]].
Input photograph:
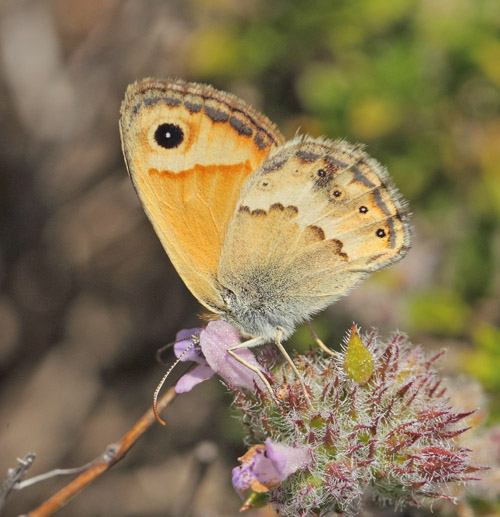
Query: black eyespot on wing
[[336, 193], [363, 209], [322, 178], [380, 232], [169, 136]]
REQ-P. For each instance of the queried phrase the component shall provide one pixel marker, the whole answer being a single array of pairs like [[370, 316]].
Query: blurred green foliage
[[440, 312], [419, 83], [484, 361]]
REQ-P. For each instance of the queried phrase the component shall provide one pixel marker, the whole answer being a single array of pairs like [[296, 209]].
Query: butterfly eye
[[169, 136]]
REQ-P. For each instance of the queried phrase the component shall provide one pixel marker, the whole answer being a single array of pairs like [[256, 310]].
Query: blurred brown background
[[87, 292]]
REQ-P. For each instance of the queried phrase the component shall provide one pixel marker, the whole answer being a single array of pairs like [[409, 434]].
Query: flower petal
[[255, 473], [265, 467], [214, 342], [189, 380], [183, 341], [286, 460]]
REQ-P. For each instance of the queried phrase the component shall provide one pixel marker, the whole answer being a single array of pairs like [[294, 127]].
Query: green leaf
[[358, 360]]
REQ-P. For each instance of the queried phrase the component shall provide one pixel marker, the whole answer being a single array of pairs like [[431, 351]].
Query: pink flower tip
[[212, 357], [264, 467], [185, 349]]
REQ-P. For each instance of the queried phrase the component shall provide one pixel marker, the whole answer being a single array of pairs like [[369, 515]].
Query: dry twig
[[15, 475], [113, 454]]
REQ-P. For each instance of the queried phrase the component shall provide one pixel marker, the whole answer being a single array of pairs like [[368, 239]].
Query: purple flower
[[199, 373], [265, 466], [286, 460], [212, 357]]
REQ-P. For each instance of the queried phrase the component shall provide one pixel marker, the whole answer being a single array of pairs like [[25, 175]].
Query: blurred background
[[87, 292]]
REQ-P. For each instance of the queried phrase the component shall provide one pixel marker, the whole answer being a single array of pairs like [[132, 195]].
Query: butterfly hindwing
[[310, 223]]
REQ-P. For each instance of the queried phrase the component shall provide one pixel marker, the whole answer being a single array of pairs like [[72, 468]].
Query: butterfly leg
[[319, 342], [249, 344], [294, 368]]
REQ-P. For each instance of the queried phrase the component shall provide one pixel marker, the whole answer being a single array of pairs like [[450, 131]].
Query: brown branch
[[113, 454]]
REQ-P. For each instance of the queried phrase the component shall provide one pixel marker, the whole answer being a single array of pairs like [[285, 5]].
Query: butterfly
[[264, 232]]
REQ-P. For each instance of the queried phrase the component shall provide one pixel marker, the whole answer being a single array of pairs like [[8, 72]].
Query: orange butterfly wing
[[188, 149]]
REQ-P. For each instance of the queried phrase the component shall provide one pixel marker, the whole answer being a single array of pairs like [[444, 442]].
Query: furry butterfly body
[[264, 232]]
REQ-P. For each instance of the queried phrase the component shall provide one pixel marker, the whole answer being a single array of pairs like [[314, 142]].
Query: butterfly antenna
[[162, 382], [160, 351]]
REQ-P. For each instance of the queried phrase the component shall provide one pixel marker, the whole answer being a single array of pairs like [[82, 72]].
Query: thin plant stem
[[113, 454]]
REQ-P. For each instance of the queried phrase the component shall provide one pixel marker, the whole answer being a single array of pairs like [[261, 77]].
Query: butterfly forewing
[[188, 149]]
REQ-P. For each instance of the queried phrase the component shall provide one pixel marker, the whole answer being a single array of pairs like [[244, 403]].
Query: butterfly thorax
[[262, 309], [263, 318]]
